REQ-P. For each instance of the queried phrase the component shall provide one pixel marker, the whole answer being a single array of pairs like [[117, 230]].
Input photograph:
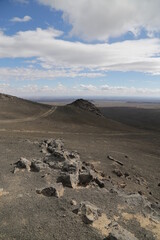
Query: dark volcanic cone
[[87, 106]]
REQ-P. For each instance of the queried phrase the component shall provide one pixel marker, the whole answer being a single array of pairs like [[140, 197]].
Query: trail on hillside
[[33, 118], [77, 133]]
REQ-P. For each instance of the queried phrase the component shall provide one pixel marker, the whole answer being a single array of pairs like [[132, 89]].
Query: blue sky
[[80, 48]]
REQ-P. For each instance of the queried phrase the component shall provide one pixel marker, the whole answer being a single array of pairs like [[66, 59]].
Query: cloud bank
[[33, 90], [52, 52], [101, 19]]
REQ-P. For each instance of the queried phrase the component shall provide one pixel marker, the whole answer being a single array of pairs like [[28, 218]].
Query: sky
[[68, 48]]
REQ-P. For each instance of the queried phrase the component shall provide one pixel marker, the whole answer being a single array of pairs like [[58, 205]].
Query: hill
[[81, 113], [87, 106], [13, 108]]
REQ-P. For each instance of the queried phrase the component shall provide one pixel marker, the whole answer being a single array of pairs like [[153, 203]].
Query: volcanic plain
[[78, 171]]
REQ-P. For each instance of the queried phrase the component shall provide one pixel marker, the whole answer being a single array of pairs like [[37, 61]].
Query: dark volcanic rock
[[68, 180], [85, 178], [52, 191], [87, 106], [118, 172]]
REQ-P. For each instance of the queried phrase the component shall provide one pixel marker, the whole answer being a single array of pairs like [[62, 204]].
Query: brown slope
[[72, 115], [12, 108], [78, 116]]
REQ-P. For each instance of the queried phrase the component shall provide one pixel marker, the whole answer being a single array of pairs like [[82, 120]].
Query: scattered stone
[[23, 163], [44, 150], [140, 181], [73, 172], [15, 170], [122, 185], [73, 202], [68, 180], [99, 182], [88, 212], [85, 178], [55, 143], [52, 191], [126, 174], [72, 166], [38, 165], [50, 145], [113, 190], [114, 160], [118, 172]]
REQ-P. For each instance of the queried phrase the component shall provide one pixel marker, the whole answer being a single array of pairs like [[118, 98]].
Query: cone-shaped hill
[[87, 106]]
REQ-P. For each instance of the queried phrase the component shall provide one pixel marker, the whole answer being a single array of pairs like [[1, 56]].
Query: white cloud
[[88, 87], [33, 90], [101, 19], [24, 19], [52, 53], [22, 74], [106, 90]]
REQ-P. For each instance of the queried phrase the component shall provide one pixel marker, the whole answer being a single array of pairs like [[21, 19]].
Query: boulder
[[88, 212], [57, 156], [44, 150], [72, 166], [73, 202], [85, 178], [38, 165], [52, 191], [73, 155], [55, 165], [55, 143], [50, 145], [23, 163], [89, 175], [68, 180]]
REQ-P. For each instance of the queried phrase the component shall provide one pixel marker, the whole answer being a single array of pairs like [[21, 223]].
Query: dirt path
[[33, 118], [74, 133]]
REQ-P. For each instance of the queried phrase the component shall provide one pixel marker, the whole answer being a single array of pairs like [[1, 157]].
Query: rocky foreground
[[101, 205]]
